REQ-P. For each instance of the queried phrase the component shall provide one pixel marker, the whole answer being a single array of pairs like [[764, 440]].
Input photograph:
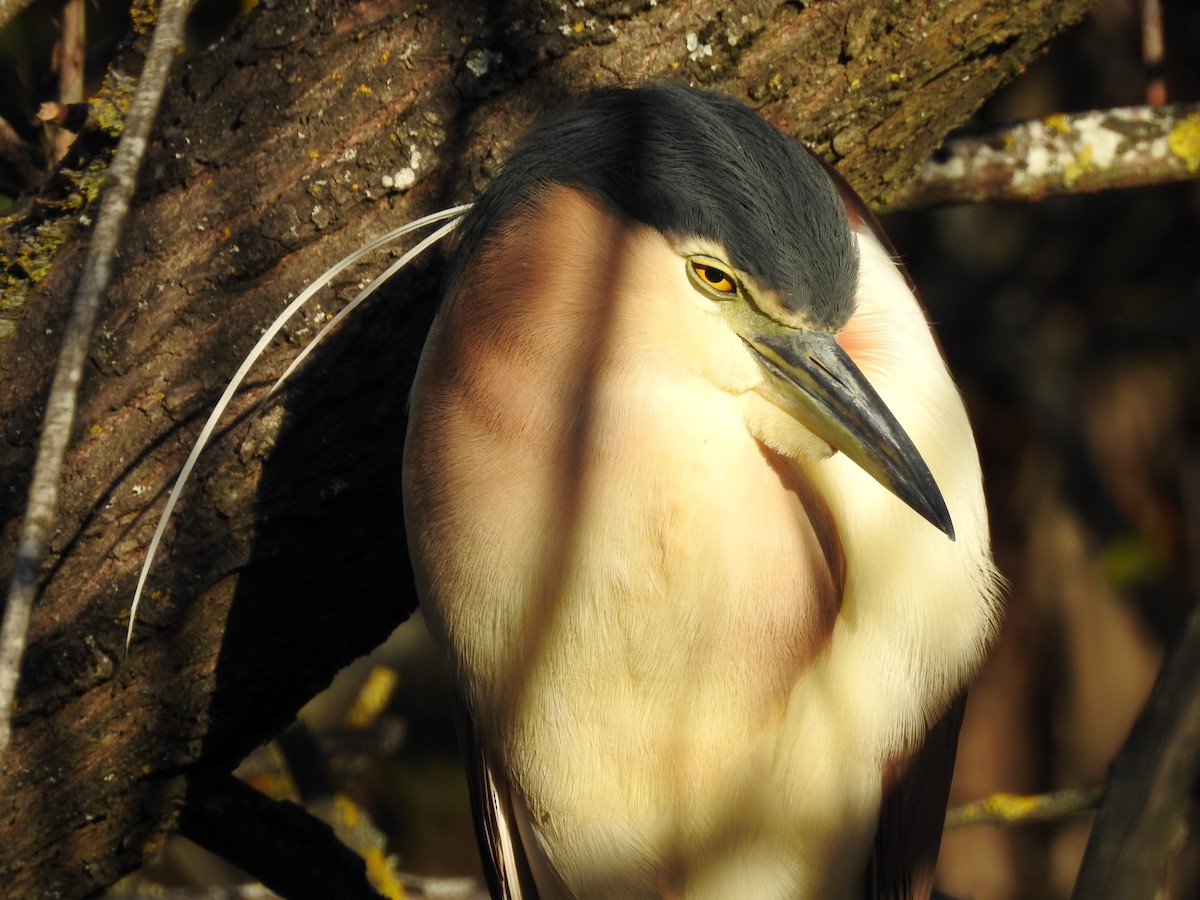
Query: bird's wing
[[504, 862], [913, 814]]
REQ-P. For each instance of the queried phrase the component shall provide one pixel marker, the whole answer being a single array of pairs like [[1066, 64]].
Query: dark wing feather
[[504, 862], [913, 814]]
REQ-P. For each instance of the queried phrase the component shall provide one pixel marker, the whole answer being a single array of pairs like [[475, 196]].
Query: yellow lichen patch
[[373, 698], [1184, 141], [1057, 122], [346, 810], [87, 182], [163, 596], [363, 89], [1078, 168], [143, 17], [384, 57], [36, 254], [380, 874], [999, 807], [110, 106], [357, 831], [1013, 806]]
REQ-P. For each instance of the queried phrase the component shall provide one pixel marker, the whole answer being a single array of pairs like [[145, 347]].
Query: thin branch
[[414, 886], [443, 888], [1074, 153], [21, 155], [136, 891], [1020, 809], [1143, 815], [60, 406], [280, 843], [1153, 52], [69, 117], [69, 57]]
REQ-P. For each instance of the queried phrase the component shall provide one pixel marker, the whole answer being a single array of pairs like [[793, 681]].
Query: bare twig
[[137, 891], [60, 406], [278, 842], [1153, 54], [443, 888], [1062, 154], [19, 154], [1142, 817], [1019, 809], [69, 56], [415, 886], [70, 117], [294, 852]]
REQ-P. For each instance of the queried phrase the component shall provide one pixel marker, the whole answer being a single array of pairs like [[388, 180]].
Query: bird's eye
[[712, 277]]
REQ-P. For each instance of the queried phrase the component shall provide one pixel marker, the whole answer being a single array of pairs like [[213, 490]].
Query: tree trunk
[[287, 555]]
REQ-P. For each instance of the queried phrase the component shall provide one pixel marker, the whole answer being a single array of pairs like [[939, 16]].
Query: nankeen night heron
[[696, 516]]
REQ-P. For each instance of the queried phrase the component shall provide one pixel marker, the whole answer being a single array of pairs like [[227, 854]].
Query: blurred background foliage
[[1073, 327]]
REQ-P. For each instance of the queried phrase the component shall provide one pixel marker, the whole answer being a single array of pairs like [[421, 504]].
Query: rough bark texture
[[287, 557]]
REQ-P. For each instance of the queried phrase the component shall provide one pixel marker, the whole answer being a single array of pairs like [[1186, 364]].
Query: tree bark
[[287, 557]]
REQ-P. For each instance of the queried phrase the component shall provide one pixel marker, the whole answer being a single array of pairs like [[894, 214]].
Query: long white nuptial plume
[[453, 214]]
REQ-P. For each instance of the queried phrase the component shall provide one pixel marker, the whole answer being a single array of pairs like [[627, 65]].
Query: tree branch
[[268, 163], [60, 408], [1018, 809], [279, 843], [1062, 154]]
